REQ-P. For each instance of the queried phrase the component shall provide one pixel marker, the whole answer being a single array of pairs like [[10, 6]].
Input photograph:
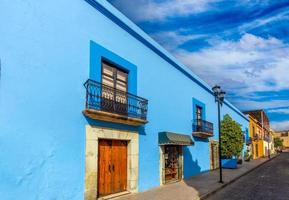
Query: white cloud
[[279, 110], [280, 125], [251, 64], [264, 21], [252, 104], [172, 39], [144, 10]]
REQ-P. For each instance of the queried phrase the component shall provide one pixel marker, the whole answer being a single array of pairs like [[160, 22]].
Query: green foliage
[[232, 137], [246, 155], [278, 142]]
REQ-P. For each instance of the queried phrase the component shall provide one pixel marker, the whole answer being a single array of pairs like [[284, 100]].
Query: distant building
[[284, 135], [259, 132], [271, 141]]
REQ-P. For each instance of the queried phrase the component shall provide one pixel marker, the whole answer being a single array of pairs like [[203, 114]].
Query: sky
[[242, 45]]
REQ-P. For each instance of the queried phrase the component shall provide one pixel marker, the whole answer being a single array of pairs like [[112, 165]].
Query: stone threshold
[[112, 196]]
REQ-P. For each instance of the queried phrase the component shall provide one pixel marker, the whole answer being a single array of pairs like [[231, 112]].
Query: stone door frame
[[162, 164]]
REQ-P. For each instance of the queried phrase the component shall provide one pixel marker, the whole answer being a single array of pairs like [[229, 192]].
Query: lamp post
[[219, 98]]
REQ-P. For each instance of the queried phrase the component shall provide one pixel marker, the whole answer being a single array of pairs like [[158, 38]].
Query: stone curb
[[205, 196]]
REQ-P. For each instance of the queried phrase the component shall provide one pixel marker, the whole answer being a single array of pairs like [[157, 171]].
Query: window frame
[[198, 115], [114, 76]]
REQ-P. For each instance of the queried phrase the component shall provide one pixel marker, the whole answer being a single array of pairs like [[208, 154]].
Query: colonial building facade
[[260, 134], [91, 106]]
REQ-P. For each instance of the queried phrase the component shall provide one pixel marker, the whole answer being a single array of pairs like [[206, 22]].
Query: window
[[198, 113], [114, 88], [114, 77], [285, 134], [199, 117]]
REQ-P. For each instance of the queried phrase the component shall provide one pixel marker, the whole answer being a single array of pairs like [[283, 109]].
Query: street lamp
[[219, 98]]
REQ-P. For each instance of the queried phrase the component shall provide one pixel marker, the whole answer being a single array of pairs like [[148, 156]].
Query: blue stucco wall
[[46, 56]]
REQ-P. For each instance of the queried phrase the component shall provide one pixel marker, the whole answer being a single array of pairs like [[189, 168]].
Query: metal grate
[[203, 126]]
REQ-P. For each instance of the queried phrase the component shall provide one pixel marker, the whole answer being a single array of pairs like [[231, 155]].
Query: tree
[[278, 143], [232, 138]]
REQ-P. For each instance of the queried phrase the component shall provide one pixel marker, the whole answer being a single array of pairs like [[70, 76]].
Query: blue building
[[90, 105]]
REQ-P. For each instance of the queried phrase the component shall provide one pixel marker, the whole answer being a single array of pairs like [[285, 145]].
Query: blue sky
[[242, 45]]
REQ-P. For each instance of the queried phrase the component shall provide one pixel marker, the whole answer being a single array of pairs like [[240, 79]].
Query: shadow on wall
[[92, 122], [191, 167], [197, 139]]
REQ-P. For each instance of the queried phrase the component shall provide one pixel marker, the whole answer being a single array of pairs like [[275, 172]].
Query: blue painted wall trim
[[99, 53], [157, 50]]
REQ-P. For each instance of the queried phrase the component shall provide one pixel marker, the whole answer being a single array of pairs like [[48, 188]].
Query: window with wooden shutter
[[115, 95]]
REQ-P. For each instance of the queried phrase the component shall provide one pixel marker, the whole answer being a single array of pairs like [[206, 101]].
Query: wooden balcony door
[[112, 167], [114, 89]]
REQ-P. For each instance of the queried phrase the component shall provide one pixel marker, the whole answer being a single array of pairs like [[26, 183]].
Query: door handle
[[112, 167], [109, 168]]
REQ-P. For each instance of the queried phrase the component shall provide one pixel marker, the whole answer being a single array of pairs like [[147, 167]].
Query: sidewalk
[[197, 187]]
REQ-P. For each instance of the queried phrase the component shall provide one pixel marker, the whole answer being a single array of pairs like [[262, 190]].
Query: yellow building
[[257, 149], [284, 135], [259, 132]]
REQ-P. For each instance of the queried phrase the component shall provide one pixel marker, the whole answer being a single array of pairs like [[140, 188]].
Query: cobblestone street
[[269, 182], [196, 187]]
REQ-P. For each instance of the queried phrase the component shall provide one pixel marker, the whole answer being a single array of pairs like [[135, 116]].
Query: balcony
[[256, 137], [249, 141], [203, 129], [112, 105], [267, 138]]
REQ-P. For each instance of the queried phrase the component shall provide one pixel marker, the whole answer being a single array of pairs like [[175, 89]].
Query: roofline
[[284, 131], [255, 120], [250, 111], [122, 21]]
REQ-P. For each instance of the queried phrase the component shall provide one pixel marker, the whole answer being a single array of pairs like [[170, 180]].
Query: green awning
[[168, 138]]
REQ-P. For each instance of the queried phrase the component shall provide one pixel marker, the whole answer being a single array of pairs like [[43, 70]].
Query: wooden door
[[104, 167], [112, 167], [214, 155], [257, 150], [119, 166]]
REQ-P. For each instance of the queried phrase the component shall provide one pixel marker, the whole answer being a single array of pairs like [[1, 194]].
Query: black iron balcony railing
[[108, 99], [266, 138], [203, 126], [249, 141], [256, 137]]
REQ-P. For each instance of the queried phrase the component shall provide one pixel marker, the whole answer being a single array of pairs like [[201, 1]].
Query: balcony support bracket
[[113, 117]]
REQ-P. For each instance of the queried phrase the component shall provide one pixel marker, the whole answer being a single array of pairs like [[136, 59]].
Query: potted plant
[[278, 144], [232, 142], [247, 156]]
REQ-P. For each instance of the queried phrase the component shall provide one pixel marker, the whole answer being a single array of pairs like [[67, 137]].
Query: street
[[270, 181]]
